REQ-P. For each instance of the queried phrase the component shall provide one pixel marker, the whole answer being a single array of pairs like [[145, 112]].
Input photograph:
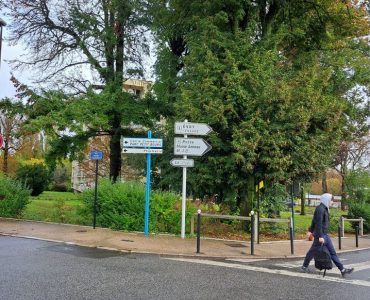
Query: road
[[33, 269]]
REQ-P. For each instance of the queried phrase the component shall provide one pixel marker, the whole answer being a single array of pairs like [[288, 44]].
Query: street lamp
[[2, 24]]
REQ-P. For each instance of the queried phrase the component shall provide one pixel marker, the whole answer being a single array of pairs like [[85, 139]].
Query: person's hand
[[321, 240]]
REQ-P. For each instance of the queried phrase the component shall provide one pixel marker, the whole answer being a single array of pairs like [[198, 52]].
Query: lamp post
[[2, 24]]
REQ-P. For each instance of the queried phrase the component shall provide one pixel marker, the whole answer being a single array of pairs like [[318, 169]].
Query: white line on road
[[246, 260], [273, 271]]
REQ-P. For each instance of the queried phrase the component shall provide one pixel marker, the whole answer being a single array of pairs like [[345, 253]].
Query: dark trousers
[[328, 243]]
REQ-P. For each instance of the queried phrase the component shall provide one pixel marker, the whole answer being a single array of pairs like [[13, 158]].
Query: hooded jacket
[[320, 220]]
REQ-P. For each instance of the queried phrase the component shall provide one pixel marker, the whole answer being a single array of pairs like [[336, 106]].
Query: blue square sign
[[96, 155]]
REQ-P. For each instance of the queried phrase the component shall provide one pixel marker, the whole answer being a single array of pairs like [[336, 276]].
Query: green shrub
[[34, 174], [121, 206], [13, 197], [358, 210]]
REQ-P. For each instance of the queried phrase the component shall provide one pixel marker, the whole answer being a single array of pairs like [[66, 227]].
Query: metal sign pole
[[96, 192], [147, 190], [183, 200]]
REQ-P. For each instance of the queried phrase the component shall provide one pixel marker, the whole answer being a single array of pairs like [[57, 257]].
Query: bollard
[[291, 240], [356, 229], [198, 231], [339, 238], [252, 232]]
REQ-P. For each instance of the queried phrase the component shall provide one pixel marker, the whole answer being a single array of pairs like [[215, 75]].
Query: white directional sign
[[143, 150], [195, 147], [185, 163], [192, 128], [142, 142]]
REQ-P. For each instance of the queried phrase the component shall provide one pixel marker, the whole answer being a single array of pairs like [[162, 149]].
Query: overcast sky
[[7, 53]]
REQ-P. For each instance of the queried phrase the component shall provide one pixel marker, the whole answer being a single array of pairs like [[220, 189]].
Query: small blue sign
[[96, 155]]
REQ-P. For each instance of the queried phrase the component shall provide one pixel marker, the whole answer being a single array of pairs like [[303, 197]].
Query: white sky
[[7, 53]]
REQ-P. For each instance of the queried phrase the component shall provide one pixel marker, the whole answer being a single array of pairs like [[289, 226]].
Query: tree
[[270, 77], [78, 46], [11, 119]]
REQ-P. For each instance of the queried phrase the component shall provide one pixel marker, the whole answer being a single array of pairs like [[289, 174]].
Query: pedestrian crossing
[[287, 269]]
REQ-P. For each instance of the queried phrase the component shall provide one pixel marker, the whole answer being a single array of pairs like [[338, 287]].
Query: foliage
[[273, 200], [13, 197], [34, 174], [360, 210], [61, 179], [271, 80], [358, 186], [122, 205], [85, 49], [56, 207]]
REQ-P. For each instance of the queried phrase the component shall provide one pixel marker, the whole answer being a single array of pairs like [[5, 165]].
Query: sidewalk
[[162, 244]]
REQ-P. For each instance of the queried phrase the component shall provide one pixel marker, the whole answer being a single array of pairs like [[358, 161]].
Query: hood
[[325, 199]]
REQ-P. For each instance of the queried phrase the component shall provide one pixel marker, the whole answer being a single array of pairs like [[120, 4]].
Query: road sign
[[195, 147], [143, 150], [96, 155], [185, 163], [192, 128], [142, 142]]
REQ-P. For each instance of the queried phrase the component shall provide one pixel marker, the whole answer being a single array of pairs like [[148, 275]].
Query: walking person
[[320, 229]]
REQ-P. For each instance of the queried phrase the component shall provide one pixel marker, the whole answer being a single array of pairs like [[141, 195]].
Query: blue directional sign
[[96, 155]]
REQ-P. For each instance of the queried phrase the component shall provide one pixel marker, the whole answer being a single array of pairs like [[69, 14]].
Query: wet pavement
[[161, 244]]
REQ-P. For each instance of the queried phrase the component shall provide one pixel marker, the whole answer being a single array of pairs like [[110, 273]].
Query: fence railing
[[242, 218], [360, 221]]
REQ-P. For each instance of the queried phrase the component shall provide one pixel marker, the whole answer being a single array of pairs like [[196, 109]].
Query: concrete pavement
[[162, 244]]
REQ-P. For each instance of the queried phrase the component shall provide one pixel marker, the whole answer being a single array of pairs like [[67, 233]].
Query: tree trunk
[[344, 190], [115, 149], [246, 194], [324, 183], [302, 202]]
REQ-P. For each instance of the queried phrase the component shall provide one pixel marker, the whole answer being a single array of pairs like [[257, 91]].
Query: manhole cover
[[235, 245], [127, 241]]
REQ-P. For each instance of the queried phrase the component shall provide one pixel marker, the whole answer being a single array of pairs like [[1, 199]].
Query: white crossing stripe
[[273, 271], [246, 260], [295, 264]]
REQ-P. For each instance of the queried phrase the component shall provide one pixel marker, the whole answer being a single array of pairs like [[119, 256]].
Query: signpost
[[146, 146], [185, 163], [188, 146], [194, 147], [143, 150], [192, 128], [96, 155]]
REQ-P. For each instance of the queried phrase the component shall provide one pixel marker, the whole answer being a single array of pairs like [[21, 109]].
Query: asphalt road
[[32, 269]]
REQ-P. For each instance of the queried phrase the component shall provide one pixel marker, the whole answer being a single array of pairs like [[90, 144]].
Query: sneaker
[[305, 269], [346, 271]]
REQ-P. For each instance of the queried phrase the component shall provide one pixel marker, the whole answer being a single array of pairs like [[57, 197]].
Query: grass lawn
[[59, 207]]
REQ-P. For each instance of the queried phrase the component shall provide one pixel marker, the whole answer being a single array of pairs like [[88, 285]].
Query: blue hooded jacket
[[320, 220]]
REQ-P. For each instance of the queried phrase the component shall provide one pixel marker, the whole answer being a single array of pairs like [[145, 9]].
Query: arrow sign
[[143, 150], [192, 128], [195, 147], [142, 142], [185, 163]]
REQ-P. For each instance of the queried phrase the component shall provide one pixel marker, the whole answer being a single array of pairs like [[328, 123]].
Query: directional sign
[[142, 142], [143, 150], [96, 155], [192, 128], [185, 163], [195, 147]]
